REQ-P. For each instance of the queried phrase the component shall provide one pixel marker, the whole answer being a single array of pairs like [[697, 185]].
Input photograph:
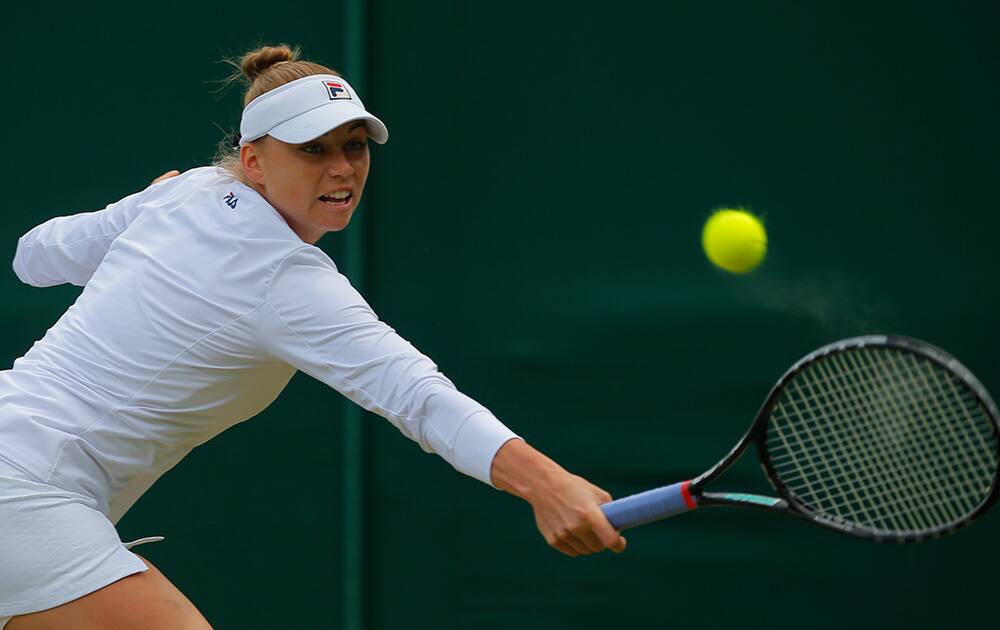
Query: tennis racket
[[882, 437]]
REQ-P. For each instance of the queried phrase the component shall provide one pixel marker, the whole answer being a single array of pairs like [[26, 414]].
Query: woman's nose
[[339, 165]]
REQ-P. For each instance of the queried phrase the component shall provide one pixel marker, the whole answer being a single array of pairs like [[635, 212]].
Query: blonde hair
[[263, 70]]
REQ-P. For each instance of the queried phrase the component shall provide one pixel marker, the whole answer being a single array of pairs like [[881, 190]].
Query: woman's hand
[[566, 506], [166, 175], [568, 516]]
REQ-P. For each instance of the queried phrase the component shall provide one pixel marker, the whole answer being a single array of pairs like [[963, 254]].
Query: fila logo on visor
[[337, 90]]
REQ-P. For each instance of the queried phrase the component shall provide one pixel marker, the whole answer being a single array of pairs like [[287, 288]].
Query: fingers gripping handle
[[650, 506]]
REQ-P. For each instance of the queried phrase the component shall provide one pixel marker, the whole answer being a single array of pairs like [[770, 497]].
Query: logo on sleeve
[[336, 90], [231, 200]]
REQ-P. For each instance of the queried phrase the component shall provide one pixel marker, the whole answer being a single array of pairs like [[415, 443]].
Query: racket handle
[[650, 506]]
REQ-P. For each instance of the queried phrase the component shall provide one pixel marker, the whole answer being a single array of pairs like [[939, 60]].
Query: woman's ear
[[250, 158]]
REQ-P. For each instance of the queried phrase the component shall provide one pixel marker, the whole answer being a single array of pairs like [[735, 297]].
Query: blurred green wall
[[533, 225]]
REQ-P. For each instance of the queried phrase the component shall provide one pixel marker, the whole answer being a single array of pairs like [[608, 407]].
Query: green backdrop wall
[[533, 225]]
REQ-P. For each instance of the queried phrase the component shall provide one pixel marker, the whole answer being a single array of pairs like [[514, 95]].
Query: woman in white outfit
[[202, 295]]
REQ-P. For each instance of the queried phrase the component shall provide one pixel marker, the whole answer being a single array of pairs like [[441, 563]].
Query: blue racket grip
[[650, 506]]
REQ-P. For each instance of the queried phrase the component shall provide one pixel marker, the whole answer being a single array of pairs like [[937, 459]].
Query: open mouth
[[338, 199]]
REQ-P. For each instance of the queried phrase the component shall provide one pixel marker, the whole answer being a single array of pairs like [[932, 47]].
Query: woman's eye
[[357, 145], [313, 148]]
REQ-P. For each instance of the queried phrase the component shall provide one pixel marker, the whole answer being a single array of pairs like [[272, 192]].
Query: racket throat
[[742, 499]]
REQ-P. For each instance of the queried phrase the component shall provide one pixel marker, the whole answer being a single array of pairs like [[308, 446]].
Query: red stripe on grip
[[686, 493]]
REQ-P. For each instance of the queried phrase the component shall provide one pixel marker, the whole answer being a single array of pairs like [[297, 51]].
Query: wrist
[[523, 471]]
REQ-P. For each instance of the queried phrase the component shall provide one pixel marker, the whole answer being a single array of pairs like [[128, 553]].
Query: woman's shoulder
[[200, 175], [192, 180], [199, 187]]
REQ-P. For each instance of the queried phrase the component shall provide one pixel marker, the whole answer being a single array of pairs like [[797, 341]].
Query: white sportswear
[[199, 303]]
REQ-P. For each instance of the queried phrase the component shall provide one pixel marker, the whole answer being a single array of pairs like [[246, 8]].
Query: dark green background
[[533, 225]]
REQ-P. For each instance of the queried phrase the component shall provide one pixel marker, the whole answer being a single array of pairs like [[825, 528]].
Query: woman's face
[[316, 185]]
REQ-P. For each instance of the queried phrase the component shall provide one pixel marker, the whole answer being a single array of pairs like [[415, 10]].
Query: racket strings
[[900, 496], [825, 469], [945, 434], [874, 449], [863, 498], [898, 493], [957, 473], [884, 439]]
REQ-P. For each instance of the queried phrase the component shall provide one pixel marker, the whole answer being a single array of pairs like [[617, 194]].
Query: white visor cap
[[305, 109]]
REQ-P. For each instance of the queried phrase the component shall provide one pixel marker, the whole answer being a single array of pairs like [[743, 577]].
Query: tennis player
[[202, 295]]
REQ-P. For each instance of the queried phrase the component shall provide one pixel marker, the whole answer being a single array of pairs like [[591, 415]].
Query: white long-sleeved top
[[199, 303]]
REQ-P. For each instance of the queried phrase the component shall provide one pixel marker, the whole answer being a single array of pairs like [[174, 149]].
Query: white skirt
[[55, 546]]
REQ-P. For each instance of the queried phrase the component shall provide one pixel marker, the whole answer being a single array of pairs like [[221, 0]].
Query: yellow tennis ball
[[734, 240]]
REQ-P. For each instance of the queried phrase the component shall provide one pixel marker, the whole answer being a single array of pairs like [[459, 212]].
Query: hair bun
[[257, 62]]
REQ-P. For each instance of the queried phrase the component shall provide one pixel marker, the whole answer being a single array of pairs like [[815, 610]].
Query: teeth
[[340, 194]]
